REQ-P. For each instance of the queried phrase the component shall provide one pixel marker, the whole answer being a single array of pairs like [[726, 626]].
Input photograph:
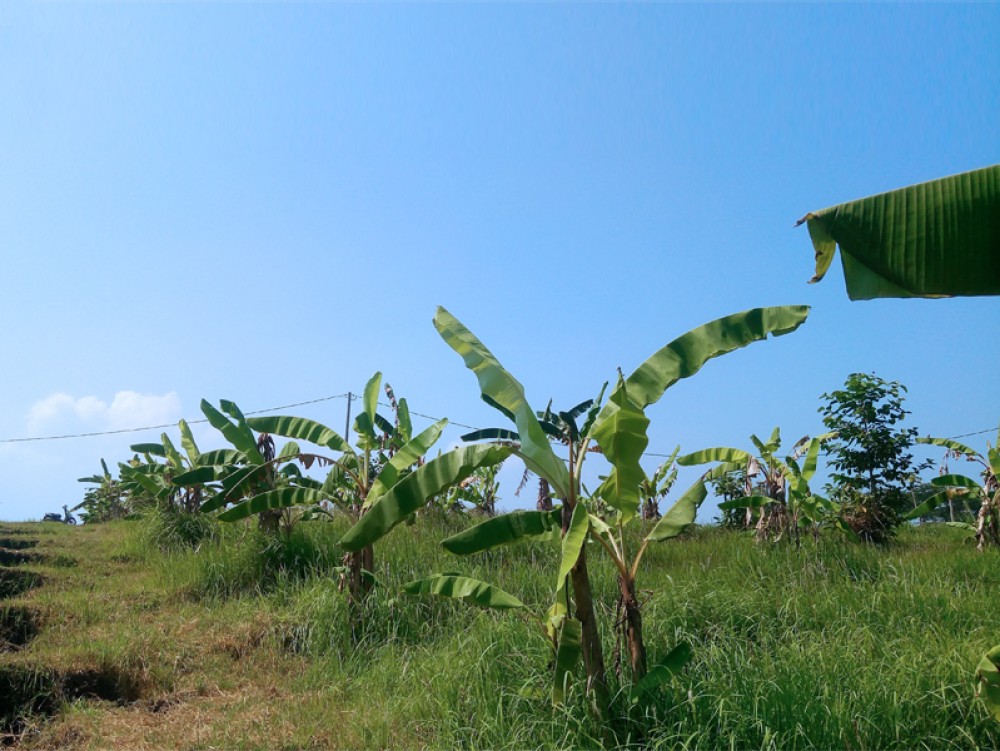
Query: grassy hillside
[[109, 641]]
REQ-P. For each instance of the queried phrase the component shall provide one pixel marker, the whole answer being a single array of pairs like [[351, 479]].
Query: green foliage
[[874, 470], [933, 239]]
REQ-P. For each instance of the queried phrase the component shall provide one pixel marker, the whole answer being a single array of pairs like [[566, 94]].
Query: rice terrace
[[619, 514]]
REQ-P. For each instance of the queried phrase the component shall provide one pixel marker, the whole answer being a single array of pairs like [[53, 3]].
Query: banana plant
[[776, 492], [158, 479], [383, 455], [618, 428], [656, 487], [986, 491]]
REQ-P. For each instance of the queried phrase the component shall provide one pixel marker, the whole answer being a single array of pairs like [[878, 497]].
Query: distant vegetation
[[317, 528]]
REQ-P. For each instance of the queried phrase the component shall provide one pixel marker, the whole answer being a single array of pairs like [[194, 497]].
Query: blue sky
[[265, 202]]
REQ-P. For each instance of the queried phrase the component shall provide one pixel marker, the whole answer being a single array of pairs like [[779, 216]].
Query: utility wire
[[346, 395], [166, 425]]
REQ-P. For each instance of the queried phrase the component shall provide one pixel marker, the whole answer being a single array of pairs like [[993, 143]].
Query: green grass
[[221, 638]]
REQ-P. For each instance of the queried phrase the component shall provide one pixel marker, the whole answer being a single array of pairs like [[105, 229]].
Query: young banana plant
[[777, 492], [987, 492], [361, 474], [619, 430]]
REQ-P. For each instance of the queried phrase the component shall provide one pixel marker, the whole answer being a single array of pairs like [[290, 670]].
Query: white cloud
[[128, 409]]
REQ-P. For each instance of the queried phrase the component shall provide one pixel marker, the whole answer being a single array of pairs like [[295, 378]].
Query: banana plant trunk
[[632, 624], [988, 524], [593, 652]]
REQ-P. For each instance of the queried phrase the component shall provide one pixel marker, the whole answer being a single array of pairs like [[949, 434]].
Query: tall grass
[[829, 646]]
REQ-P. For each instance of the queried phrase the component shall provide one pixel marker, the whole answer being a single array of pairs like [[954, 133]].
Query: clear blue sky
[[266, 202]]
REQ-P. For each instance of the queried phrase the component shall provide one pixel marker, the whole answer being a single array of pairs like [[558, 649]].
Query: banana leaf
[[465, 588], [301, 429], [685, 355], [505, 529], [414, 490], [402, 459], [988, 681], [272, 499], [622, 438], [572, 542], [501, 389], [681, 515], [567, 658], [934, 239]]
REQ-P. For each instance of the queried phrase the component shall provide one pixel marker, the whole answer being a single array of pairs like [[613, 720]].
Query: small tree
[[873, 469]]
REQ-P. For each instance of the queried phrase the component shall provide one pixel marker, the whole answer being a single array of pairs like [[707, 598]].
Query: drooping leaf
[[464, 588], [684, 356], [572, 542], [272, 499], [300, 429], [663, 671], [502, 389], [491, 434], [926, 507], [933, 239], [622, 438], [746, 501], [237, 434], [988, 681], [220, 457], [681, 515], [153, 449], [383, 424], [947, 443], [414, 490], [955, 481], [506, 529], [717, 454], [402, 459], [567, 658], [200, 476]]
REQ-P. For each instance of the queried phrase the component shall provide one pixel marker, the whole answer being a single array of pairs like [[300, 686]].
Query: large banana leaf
[[934, 239], [685, 355], [567, 657], [505, 529], [465, 588], [717, 454], [622, 438], [218, 457], [988, 681], [272, 499], [402, 459], [237, 434], [201, 475], [414, 490], [927, 506], [572, 542], [663, 671], [681, 515], [960, 481], [949, 444], [301, 429], [501, 388], [153, 449]]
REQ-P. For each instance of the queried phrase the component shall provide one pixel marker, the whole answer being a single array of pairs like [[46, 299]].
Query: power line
[[346, 395], [166, 425]]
